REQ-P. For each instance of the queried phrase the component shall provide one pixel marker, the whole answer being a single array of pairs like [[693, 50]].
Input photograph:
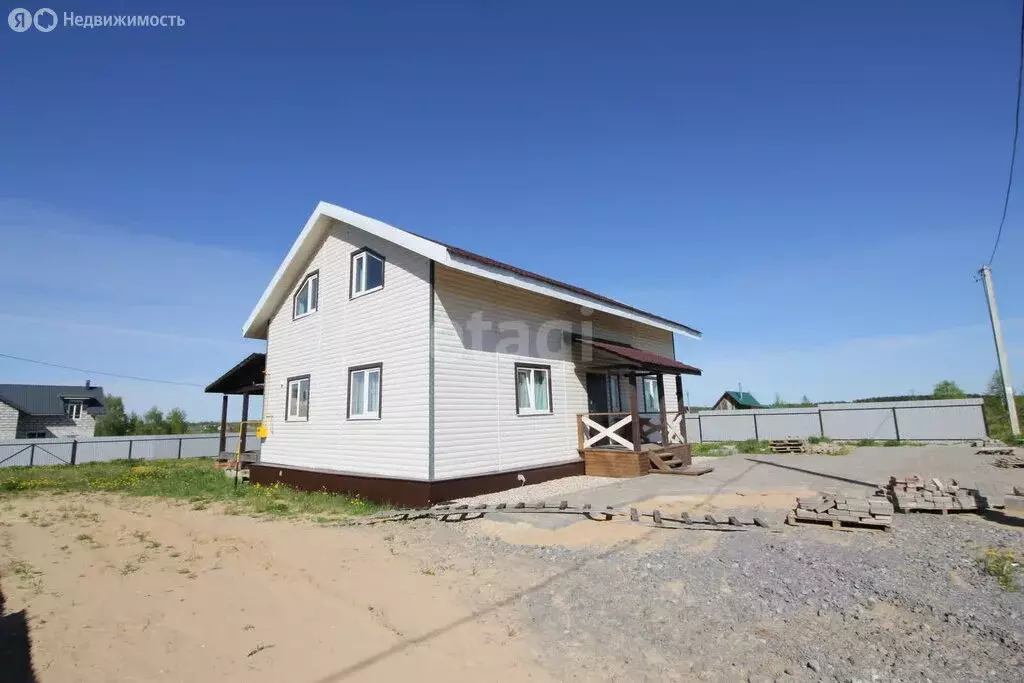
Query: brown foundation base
[[615, 463], [405, 492]]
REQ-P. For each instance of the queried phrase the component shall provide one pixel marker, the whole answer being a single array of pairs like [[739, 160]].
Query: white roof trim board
[[319, 222]]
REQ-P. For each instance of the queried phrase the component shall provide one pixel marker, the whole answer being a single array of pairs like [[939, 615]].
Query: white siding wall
[[390, 326], [477, 430]]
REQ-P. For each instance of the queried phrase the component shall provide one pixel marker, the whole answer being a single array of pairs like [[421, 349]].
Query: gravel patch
[[542, 491], [793, 604]]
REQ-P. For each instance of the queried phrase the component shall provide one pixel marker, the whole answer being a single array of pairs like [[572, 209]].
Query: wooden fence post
[[74, 451], [895, 423], [32, 456], [179, 448], [130, 442]]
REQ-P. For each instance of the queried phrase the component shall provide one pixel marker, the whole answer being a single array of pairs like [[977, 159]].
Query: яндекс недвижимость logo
[[45, 20], [21, 19]]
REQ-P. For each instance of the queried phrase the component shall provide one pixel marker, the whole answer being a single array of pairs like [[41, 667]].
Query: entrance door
[[597, 392]]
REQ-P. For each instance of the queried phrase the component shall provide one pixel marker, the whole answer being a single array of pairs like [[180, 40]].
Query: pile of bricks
[[914, 493], [839, 508]]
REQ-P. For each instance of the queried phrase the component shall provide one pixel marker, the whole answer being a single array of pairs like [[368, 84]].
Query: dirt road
[[120, 589]]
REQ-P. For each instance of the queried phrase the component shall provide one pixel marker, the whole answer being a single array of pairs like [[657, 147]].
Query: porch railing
[[620, 430]]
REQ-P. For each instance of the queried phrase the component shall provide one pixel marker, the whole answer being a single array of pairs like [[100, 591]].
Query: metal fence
[[28, 452], [947, 420]]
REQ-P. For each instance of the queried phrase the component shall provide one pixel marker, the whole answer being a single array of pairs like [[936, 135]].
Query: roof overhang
[[319, 223], [247, 377], [628, 357]]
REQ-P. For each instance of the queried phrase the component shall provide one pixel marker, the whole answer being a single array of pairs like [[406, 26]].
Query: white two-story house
[[406, 370]]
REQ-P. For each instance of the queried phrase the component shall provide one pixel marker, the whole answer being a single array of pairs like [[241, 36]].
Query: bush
[[867, 442], [818, 439], [753, 446], [1002, 564]]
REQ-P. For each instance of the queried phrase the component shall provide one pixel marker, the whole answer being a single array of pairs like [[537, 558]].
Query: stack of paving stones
[[914, 493], [841, 509]]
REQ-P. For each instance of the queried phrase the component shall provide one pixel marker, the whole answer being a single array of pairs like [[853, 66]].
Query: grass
[[1003, 565], [194, 480]]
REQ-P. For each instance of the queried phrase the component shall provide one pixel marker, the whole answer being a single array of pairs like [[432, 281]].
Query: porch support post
[[634, 412], [242, 428], [661, 407], [223, 425], [682, 408]]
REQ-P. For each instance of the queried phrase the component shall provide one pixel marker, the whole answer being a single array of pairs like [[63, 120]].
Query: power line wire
[[97, 372], [1016, 136]]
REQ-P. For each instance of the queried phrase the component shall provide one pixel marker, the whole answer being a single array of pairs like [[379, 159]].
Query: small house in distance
[[42, 411], [736, 400], [407, 370]]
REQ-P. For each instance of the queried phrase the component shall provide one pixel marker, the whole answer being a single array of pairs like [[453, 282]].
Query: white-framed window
[[650, 403], [74, 410], [533, 389], [367, 272], [297, 400], [307, 297], [364, 392]]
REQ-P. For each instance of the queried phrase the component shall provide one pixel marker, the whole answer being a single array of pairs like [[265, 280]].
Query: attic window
[[308, 295], [367, 272], [74, 410]]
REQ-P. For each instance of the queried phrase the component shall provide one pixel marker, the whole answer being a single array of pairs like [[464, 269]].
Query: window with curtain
[[364, 393], [297, 399], [367, 272], [533, 389], [306, 296], [650, 403]]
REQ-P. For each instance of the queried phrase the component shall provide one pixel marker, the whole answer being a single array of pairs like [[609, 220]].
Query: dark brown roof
[[645, 359], [462, 253], [245, 378]]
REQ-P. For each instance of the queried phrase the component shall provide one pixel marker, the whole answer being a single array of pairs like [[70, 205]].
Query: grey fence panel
[[25, 452], [953, 422], [949, 420], [788, 424], [726, 426], [867, 423]]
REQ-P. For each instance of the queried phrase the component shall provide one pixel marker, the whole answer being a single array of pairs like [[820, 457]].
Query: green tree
[[176, 422], [994, 389], [778, 402], [114, 422], [805, 401], [153, 422], [947, 389]]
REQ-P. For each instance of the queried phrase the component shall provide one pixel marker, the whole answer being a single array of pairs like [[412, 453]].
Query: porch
[[245, 379], [629, 430]]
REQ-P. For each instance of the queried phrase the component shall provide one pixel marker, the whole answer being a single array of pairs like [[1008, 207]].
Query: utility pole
[[997, 332]]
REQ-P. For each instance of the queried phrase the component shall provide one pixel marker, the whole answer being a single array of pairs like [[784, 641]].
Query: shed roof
[[50, 399], [246, 377], [744, 398], [645, 360]]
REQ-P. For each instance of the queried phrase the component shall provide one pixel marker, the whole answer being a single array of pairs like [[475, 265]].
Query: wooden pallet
[[940, 511], [786, 446], [793, 520]]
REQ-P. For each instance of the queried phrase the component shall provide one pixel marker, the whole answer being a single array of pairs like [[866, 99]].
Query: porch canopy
[[245, 379], [628, 358]]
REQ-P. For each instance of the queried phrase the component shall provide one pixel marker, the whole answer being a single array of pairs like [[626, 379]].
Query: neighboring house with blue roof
[[39, 411], [736, 400]]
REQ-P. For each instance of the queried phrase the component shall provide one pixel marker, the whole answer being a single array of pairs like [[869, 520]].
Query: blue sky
[[812, 184]]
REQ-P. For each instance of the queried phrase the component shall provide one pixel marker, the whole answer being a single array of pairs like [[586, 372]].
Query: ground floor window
[[35, 435], [298, 399], [650, 396], [364, 392], [533, 389]]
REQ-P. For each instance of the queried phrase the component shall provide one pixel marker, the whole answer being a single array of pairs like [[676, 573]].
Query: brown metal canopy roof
[[643, 359], [244, 378]]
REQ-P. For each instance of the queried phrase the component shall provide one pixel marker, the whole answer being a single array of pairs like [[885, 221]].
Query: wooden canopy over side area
[[245, 379]]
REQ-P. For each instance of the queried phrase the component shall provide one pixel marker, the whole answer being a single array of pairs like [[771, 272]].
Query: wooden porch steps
[[675, 460]]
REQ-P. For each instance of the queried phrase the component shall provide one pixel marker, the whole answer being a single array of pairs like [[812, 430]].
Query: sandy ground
[[119, 589]]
